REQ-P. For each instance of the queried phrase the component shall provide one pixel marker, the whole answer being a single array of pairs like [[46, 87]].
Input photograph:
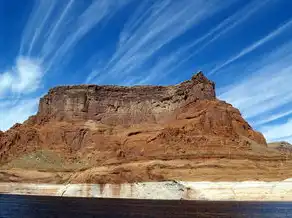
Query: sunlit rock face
[[122, 105], [114, 134]]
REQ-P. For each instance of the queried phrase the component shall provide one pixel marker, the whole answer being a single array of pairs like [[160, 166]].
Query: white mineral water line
[[172, 190]]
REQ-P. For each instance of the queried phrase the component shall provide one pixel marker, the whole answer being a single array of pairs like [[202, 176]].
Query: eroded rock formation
[[121, 105], [105, 125]]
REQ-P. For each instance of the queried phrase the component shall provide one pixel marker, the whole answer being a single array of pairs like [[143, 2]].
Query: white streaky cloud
[[267, 88], [40, 27], [234, 20], [25, 77], [266, 106], [51, 39], [263, 92], [28, 75], [6, 80], [133, 24], [176, 59], [18, 112], [54, 23], [129, 39], [164, 32], [34, 25], [160, 69], [84, 23], [254, 46], [165, 21], [278, 132], [218, 31], [142, 17], [273, 117], [61, 25], [261, 67], [131, 81]]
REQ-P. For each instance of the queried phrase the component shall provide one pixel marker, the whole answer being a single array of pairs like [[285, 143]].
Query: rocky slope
[[122, 134], [281, 146]]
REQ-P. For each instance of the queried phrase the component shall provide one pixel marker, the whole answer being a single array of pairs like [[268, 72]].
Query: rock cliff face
[[122, 105], [88, 126]]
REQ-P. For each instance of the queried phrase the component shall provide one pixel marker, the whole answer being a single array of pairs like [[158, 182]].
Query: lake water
[[45, 206]]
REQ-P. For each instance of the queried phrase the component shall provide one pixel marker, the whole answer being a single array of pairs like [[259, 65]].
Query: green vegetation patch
[[44, 160]]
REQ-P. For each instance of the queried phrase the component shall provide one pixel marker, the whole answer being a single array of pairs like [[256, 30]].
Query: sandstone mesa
[[116, 134]]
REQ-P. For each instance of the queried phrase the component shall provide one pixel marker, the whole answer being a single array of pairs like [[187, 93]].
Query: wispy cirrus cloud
[[6, 80], [254, 46], [21, 80], [24, 77], [81, 26], [150, 29], [279, 132], [139, 44], [276, 116], [224, 27], [55, 27], [269, 81], [262, 95], [39, 15], [16, 112], [52, 30]]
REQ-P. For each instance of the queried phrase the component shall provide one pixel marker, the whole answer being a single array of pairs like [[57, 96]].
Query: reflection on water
[[43, 206]]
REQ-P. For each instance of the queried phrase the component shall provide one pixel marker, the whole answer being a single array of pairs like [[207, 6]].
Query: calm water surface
[[43, 206]]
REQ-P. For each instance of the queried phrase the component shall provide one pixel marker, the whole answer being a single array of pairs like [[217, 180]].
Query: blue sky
[[245, 46]]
